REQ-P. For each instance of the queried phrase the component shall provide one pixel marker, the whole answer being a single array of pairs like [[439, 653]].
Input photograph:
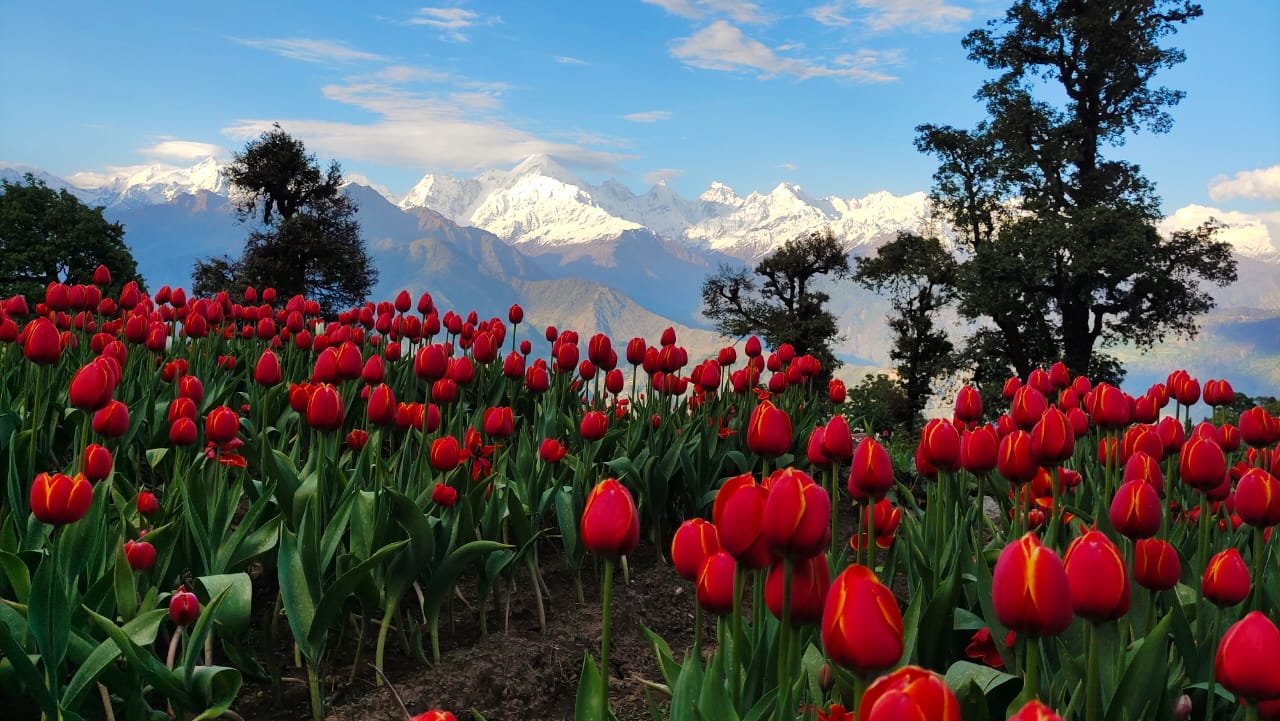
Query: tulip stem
[[1032, 668], [380, 649], [606, 596], [313, 684], [784, 644], [1259, 553], [1093, 682], [1202, 552], [735, 665], [1250, 712]]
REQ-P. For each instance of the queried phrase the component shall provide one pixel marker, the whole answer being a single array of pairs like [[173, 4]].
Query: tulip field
[[208, 500]]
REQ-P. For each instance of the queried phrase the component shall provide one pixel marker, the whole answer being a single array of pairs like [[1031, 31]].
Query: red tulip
[[381, 408], [610, 525], [147, 503], [909, 694], [140, 555], [1097, 578], [968, 406], [1030, 589], [693, 543], [715, 583], [551, 450], [797, 515], [445, 453], [112, 420], [870, 471], [324, 408], [979, 449], [1136, 510], [1248, 659], [499, 422], [809, 583], [1140, 439], [182, 432], [267, 371], [1027, 407], [1052, 438], [184, 607], [1202, 464], [813, 450], [1226, 578], [1256, 427], [41, 342], [1155, 564], [982, 648], [837, 440], [1015, 460], [1258, 498], [861, 623], [885, 518], [357, 439], [769, 430], [593, 426], [738, 513], [1109, 406], [58, 499], [836, 392], [1143, 467], [221, 425], [940, 444], [91, 387], [97, 462], [443, 495], [1035, 711]]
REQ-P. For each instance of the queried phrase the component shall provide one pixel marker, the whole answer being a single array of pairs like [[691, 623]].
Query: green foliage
[[780, 301], [879, 403], [918, 274], [1062, 255], [308, 242], [49, 236]]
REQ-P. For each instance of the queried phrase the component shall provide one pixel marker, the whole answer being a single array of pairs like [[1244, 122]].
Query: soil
[[521, 674]]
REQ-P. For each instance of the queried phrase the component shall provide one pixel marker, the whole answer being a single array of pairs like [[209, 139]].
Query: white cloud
[[1262, 184], [648, 116], [419, 129], [409, 74], [722, 46], [183, 150], [451, 20], [742, 11], [310, 50], [662, 175], [1252, 234], [886, 15], [566, 60], [789, 167]]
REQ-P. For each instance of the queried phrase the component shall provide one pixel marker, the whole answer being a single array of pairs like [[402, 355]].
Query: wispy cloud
[[662, 175], [648, 116], [566, 60], [452, 20], [311, 50], [1261, 184], [723, 46], [454, 127], [789, 167], [886, 15], [742, 11], [183, 150]]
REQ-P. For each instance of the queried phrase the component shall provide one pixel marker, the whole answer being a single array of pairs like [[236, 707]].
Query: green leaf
[[714, 702], [13, 628], [215, 688], [666, 660], [973, 702], [155, 456], [589, 705], [936, 625], [49, 612], [1143, 684], [233, 615], [18, 574], [126, 592], [142, 630], [144, 662], [444, 576], [337, 593], [296, 593], [685, 691], [203, 627]]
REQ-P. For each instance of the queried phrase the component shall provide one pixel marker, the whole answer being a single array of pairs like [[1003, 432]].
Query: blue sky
[[823, 93]]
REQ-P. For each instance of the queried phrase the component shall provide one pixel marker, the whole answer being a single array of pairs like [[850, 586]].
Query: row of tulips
[[167, 457], [1124, 559]]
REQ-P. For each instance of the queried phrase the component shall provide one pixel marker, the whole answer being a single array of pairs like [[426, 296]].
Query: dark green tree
[[307, 240], [780, 300], [1062, 257], [918, 275], [48, 236], [879, 403]]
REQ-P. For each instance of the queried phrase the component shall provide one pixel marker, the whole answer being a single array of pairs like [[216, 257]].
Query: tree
[[879, 403], [49, 236], [919, 275], [308, 240], [1062, 255], [780, 301]]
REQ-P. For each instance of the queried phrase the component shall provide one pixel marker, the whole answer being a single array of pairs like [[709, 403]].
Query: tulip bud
[[381, 407], [870, 471], [112, 420], [91, 387], [968, 405], [769, 430], [940, 444], [499, 422], [1135, 510], [1097, 578], [1248, 659], [357, 439], [910, 692], [324, 408], [267, 371], [861, 623], [1226, 578], [1028, 406], [140, 555], [147, 503], [837, 440], [715, 583], [184, 607], [593, 426], [1015, 460], [445, 453], [1258, 498], [551, 450], [1052, 438], [797, 515], [1030, 590], [810, 580], [738, 513], [41, 342], [58, 499], [1155, 564], [979, 449], [221, 425], [693, 543], [444, 496], [1202, 464], [610, 525], [182, 432], [1035, 711]]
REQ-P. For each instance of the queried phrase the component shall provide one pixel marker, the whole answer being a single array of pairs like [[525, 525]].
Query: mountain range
[[602, 258]]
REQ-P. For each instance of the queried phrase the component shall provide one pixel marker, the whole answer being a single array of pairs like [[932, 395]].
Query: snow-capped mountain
[[150, 184]]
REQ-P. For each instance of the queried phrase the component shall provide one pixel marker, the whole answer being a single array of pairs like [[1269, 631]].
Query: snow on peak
[[150, 184], [720, 193]]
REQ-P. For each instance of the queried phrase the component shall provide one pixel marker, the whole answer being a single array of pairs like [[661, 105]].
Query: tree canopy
[[307, 240], [780, 300], [48, 236], [1060, 252]]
